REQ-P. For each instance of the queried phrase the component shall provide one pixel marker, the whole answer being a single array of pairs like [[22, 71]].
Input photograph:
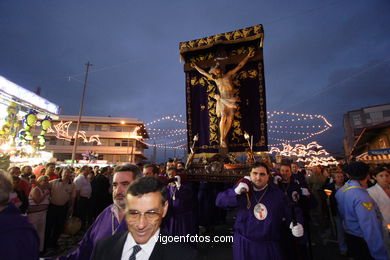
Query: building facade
[[357, 120], [110, 140], [373, 144]]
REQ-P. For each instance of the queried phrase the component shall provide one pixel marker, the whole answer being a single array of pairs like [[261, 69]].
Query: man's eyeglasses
[[135, 215]]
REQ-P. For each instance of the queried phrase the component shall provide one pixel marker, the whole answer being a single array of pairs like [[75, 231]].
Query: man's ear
[[165, 208]]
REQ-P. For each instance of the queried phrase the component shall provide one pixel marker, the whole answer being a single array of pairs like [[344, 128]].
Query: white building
[[112, 140]]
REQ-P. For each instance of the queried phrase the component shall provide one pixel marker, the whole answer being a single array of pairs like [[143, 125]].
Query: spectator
[[50, 171], [338, 182], [17, 197], [37, 210], [63, 194], [146, 205], [359, 214], [23, 185], [381, 194], [111, 220], [83, 195]]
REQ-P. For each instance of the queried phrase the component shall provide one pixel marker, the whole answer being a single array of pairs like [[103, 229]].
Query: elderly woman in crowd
[[38, 205]]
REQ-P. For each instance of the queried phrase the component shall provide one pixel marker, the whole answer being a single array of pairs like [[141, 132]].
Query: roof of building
[[102, 119]]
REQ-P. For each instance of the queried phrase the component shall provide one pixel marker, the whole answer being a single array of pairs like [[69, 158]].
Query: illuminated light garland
[[62, 132], [177, 141], [164, 146], [158, 130], [161, 133], [306, 154], [171, 118], [278, 129], [166, 136]]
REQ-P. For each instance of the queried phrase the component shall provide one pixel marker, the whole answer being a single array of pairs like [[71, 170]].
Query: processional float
[[226, 105]]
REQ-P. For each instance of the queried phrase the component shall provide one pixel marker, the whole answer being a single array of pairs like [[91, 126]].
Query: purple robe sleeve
[[227, 198], [292, 212], [101, 228], [18, 237]]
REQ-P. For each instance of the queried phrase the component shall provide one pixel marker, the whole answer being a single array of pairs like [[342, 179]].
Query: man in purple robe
[[18, 237], [262, 210], [180, 219], [111, 220], [298, 194]]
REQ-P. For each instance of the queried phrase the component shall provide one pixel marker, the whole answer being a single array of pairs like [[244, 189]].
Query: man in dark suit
[[146, 205]]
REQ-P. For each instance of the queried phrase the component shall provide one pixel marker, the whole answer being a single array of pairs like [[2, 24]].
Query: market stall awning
[[376, 159]]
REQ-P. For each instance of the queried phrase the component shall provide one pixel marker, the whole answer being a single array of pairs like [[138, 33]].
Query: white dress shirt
[[83, 185], [146, 249]]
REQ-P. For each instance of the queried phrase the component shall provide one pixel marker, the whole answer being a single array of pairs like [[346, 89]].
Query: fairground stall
[[24, 119]]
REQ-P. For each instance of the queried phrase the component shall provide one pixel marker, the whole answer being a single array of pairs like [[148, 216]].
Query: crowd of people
[[277, 208]]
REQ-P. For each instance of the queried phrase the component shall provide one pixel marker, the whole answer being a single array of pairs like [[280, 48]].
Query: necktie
[[136, 249]]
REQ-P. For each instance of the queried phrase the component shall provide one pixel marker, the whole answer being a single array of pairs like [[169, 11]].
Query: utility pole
[[80, 114]]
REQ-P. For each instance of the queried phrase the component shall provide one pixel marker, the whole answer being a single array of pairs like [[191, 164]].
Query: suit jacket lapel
[[157, 252], [117, 246]]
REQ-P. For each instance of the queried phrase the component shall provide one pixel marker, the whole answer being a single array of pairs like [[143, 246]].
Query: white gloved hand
[[241, 187], [296, 230], [305, 192], [178, 181], [277, 179]]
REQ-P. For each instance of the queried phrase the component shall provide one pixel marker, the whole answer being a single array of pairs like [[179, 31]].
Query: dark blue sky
[[325, 57]]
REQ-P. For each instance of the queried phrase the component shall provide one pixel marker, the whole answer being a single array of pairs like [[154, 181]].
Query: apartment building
[[106, 140]]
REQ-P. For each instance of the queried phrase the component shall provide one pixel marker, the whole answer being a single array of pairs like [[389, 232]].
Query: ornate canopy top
[[241, 35]]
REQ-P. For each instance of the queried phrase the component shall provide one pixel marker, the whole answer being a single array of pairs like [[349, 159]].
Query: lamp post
[[80, 113]]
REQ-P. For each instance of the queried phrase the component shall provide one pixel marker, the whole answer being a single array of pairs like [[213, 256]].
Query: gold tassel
[[248, 201]]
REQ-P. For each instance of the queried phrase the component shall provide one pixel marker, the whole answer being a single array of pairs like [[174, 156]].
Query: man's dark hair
[[259, 164], [146, 185], [379, 169], [50, 164], [285, 164], [155, 169], [357, 170], [128, 168], [104, 169]]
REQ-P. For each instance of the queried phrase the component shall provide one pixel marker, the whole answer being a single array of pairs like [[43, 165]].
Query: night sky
[[321, 57]]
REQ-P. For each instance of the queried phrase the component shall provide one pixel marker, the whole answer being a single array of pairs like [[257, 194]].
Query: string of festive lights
[[171, 118], [275, 127], [301, 116], [177, 141], [166, 136], [311, 154], [320, 126], [158, 130], [179, 147]]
